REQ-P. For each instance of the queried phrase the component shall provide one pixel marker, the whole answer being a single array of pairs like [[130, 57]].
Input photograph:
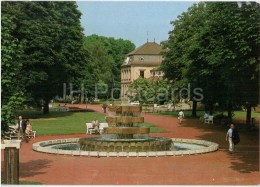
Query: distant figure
[[205, 116], [21, 126], [229, 138], [104, 106], [28, 129], [95, 124], [86, 102], [180, 116]]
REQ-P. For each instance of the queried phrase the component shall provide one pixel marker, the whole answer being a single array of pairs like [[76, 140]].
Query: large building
[[142, 62]]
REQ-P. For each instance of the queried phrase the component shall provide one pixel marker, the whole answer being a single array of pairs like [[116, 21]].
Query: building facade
[[142, 62]]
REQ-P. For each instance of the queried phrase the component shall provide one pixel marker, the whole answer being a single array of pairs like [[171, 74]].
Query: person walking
[[229, 138], [21, 126], [104, 106], [180, 116]]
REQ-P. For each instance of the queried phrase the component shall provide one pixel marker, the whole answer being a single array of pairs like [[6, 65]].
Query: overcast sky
[[131, 20]]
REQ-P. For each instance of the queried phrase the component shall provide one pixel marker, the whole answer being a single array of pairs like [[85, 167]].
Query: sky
[[131, 20]]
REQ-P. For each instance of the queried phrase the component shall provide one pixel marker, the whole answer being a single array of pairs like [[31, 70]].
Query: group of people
[[24, 128]]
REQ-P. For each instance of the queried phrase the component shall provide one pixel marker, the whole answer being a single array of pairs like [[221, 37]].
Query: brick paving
[[217, 168]]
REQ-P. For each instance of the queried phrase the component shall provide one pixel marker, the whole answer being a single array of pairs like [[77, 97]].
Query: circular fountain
[[125, 137], [123, 134]]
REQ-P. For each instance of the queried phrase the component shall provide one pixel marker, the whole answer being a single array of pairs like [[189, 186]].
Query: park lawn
[[60, 123], [187, 113], [238, 115]]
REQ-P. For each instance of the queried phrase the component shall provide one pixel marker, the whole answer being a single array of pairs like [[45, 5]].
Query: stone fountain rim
[[209, 147]]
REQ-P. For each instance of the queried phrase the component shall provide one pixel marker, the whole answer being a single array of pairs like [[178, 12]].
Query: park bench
[[14, 134], [91, 130], [209, 120]]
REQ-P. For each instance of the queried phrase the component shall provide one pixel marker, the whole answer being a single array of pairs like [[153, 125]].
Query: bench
[[102, 126], [31, 135], [209, 120], [14, 133], [91, 130]]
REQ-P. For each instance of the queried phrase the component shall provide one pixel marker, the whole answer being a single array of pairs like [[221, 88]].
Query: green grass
[[241, 115], [60, 123], [29, 183], [238, 115], [187, 113]]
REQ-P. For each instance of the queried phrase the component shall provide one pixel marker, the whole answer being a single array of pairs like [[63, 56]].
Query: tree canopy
[[215, 46], [12, 88], [106, 57], [43, 47], [51, 46]]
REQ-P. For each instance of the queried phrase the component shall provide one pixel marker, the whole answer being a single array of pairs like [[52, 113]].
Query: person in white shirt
[[180, 116], [229, 138], [95, 124], [206, 116]]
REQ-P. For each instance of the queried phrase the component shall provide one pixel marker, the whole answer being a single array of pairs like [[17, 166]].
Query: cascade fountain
[[124, 134], [125, 137]]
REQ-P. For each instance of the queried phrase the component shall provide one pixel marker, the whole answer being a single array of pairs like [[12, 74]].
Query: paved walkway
[[217, 168]]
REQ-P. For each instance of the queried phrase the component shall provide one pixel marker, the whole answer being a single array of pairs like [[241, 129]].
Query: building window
[[141, 73]]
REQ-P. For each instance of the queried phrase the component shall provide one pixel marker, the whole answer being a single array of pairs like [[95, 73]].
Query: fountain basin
[[125, 145], [182, 147], [126, 130]]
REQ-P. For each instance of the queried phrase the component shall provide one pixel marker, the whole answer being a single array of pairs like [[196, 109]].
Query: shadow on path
[[245, 159], [33, 167]]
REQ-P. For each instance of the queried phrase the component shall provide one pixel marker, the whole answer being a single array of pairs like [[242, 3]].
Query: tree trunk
[[194, 108], [230, 111], [46, 106], [248, 114]]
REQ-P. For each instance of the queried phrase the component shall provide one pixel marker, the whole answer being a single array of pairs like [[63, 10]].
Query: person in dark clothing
[[104, 106], [235, 136], [21, 124]]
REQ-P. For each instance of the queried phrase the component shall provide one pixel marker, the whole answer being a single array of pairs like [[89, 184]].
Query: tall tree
[[210, 45], [107, 55], [12, 89], [52, 41], [182, 48]]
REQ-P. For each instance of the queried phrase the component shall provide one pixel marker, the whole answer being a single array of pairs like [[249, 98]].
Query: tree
[[181, 50], [210, 45], [148, 90], [12, 89], [107, 56], [53, 51], [234, 42]]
